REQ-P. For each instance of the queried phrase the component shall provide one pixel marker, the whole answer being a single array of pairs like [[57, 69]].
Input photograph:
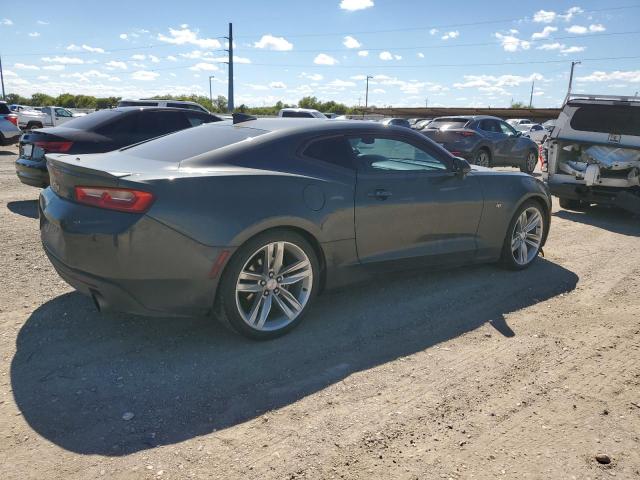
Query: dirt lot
[[471, 373]]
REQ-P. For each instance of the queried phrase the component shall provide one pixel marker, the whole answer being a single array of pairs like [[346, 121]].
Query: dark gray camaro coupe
[[251, 220]]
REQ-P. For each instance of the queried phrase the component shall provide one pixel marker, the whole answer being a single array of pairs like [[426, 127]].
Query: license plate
[[614, 138], [27, 150]]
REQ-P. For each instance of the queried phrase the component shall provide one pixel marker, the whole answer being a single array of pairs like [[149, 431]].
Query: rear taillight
[[13, 118], [121, 199], [54, 147], [466, 134]]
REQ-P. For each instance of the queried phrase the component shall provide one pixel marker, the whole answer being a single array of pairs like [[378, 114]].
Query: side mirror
[[518, 133], [461, 166]]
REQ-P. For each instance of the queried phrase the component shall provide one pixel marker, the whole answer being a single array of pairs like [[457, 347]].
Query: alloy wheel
[[532, 160], [274, 286], [482, 158], [527, 236]]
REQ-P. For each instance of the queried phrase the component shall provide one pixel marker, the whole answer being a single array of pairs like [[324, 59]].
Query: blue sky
[[460, 53]]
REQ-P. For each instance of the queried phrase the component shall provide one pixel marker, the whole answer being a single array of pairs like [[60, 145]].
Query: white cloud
[[351, 42], [79, 48], [450, 35], [154, 59], [171, 58], [63, 60], [277, 85], [572, 12], [254, 86], [324, 59], [116, 64], [194, 54], [420, 55], [269, 42], [632, 76], [236, 59], [511, 43], [385, 56], [378, 90], [433, 31], [204, 67], [88, 75], [495, 82], [551, 46], [363, 53], [573, 50], [144, 75], [316, 77], [138, 56], [22, 66], [544, 16], [596, 28], [353, 5], [123, 36], [6, 21], [184, 36], [546, 31], [577, 29], [43, 77], [54, 68], [42, 22], [34, 34]]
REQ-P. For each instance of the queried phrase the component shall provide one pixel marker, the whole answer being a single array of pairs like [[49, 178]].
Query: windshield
[[447, 123], [618, 119]]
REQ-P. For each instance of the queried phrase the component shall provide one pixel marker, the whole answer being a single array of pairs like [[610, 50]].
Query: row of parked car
[[161, 210]]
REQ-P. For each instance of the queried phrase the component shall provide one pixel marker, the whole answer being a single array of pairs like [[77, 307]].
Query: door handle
[[380, 194]]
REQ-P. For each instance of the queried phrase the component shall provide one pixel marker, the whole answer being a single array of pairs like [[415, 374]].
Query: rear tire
[[482, 158], [530, 162], [32, 125], [524, 237], [262, 295]]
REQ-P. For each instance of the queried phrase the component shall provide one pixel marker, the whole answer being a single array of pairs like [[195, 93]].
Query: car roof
[[468, 117], [292, 109], [153, 109]]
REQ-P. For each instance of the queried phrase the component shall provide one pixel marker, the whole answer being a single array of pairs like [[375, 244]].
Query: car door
[[61, 115], [410, 205], [509, 141], [498, 138]]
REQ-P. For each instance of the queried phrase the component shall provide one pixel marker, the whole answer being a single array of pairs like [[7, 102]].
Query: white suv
[[593, 153]]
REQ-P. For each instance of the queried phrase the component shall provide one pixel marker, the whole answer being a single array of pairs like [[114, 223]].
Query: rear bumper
[[33, 173], [128, 263], [627, 199], [9, 138]]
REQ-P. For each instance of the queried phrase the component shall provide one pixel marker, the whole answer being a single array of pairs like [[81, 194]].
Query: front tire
[[524, 237], [269, 284]]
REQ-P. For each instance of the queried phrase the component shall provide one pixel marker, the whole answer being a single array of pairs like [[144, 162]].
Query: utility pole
[[533, 82], [426, 102], [2, 80], [573, 65], [366, 94], [210, 90], [230, 63]]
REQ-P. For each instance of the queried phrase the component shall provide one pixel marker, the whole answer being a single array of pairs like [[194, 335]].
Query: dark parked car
[[485, 141], [99, 132], [398, 122], [251, 220]]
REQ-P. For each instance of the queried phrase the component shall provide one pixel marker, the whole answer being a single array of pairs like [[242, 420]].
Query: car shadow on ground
[[76, 372], [608, 218], [26, 208]]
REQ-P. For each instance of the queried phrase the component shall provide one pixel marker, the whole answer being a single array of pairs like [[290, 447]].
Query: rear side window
[[446, 123], [618, 119], [156, 123], [335, 150], [4, 109], [297, 114], [490, 126], [137, 104]]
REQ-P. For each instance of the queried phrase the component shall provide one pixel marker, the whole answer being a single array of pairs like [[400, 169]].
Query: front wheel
[[269, 284], [524, 236], [530, 163]]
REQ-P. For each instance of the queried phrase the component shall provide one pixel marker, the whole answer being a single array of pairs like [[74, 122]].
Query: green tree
[[41, 100]]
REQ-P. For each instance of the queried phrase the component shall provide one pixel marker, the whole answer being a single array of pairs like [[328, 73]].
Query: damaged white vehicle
[[593, 153]]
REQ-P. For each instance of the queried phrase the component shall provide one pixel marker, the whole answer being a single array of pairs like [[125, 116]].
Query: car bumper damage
[[597, 174]]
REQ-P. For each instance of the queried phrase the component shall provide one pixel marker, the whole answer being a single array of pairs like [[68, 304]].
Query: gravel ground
[[469, 373]]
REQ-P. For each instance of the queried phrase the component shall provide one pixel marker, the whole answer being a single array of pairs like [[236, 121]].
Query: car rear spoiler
[[596, 97]]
